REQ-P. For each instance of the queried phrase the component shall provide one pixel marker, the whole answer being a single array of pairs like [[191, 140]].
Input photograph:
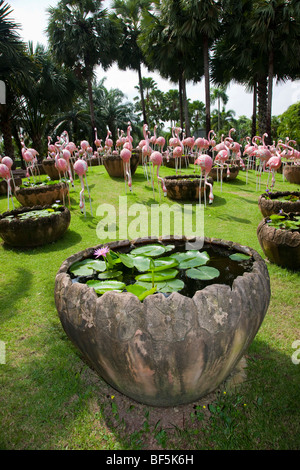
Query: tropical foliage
[[48, 90]]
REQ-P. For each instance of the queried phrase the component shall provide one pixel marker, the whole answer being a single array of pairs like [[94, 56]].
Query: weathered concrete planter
[[34, 232], [171, 162], [185, 187], [13, 183], [114, 165], [42, 195], [291, 173], [170, 350], [215, 173], [270, 204], [280, 246], [50, 169]]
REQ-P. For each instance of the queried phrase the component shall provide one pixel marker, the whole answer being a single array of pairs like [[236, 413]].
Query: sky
[[32, 17]]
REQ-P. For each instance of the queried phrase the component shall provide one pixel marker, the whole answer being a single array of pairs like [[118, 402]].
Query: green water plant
[[146, 269], [284, 221], [35, 214]]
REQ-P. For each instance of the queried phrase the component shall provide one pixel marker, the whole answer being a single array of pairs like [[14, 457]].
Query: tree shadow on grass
[[12, 292], [231, 218], [69, 238]]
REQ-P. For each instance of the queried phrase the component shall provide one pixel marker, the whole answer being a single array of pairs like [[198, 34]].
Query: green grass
[[50, 398]]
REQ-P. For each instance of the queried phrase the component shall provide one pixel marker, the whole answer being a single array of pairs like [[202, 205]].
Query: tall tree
[[219, 94], [127, 13], [203, 19], [82, 37], [14, 64], [171, 51], [276, 29], [48, 90]]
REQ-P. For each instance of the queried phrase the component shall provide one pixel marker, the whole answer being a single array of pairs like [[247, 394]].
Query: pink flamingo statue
[[62, 167], [156, 159], [160, 142], [188, 145], [178, 151], [153, 138], [120, 141], [248, 152], [263, 153], [80, 167], [173, 141], [128, 139], [273, 164], [9, 163], [108, 143], [66, 155], [5, 174], [221, 157], [125, 154], [146, 150], [205, 163]]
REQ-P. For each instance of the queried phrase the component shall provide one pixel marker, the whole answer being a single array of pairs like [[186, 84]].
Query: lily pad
[[172, 285], [111, 274], [105, 286], [191, 254], [163, 263], [141, 291], [149, 250], [127, 260], [158, 276], [239, 257], [87, 266], [204, 273]]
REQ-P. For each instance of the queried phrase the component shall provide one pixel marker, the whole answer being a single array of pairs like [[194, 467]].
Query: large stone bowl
[[185, 187], [41, 195], [281, 247], [50, 168], [291, 172], [215, 173], [269, 203], [170, 162], [114, 165], [30, 233], [17, 181], [164, 351]]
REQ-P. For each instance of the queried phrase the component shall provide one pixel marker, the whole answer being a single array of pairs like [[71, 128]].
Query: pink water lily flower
[[101, 252]]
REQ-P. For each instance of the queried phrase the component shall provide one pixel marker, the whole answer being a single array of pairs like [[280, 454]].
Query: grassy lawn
[[50, 398]]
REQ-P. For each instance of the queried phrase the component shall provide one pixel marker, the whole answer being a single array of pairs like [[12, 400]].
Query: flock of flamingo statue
[[71, 160]]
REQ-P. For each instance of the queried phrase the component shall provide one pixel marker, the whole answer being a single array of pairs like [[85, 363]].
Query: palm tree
[[170, 51], [82, 37], [218, 94], [203, 19], [46, 92], [197, 112], [276, 29], [14, 65], [127, 13], [114, 112]]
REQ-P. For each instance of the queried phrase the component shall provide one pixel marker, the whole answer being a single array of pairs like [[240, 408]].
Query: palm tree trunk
[[180, 83], [253, 133], [6, 130], [207, 85], [91, 102], [142, 94], [270, 93], [185, 107], [262, 104]]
